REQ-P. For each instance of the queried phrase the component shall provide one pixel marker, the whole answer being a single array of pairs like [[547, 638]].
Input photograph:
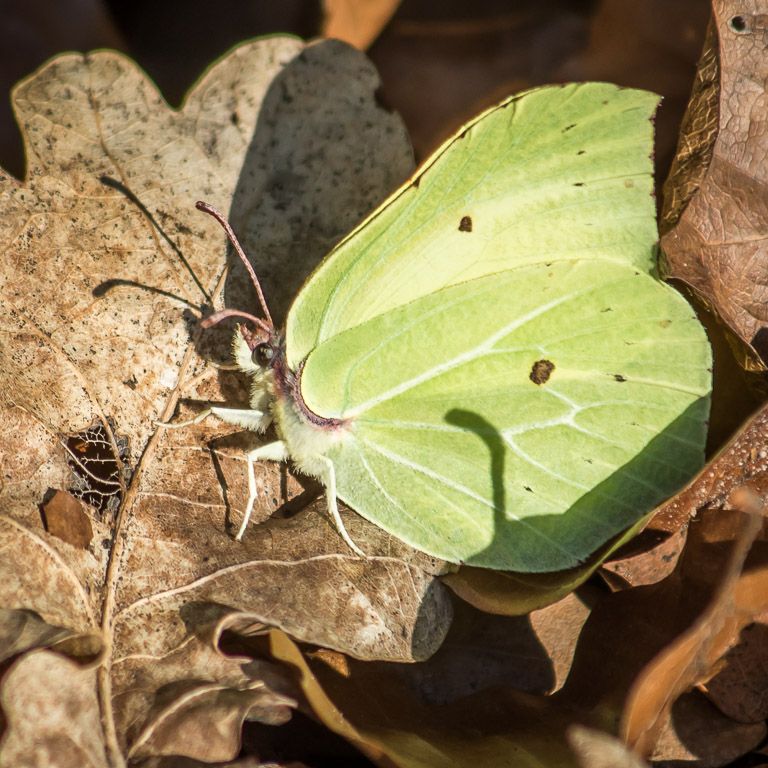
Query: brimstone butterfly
[[486, 367]]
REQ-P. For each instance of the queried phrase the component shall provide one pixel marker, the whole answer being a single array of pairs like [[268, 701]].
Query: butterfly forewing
[[558, 173]]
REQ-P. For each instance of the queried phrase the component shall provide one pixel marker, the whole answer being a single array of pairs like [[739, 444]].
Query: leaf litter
[[714, 223], [106, 267], [150, 630]]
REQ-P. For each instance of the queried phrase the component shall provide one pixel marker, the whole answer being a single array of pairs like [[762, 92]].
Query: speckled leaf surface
[[106, 267]]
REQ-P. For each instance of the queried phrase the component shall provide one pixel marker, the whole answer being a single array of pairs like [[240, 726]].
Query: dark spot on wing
[[541, 371], [581, 151], [415, 183], [530, 490], [568, 127], [607, 309], [465, 225], [618, 377], [578, 184]]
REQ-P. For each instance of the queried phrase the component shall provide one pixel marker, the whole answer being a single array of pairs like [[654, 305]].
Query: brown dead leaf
[[647, 567], [691, 658], [738, 689], [392, 726], [53, 714], [67, 518], [698, 733], [558, 627], [33, 31], [357, 22], [106, 265], [627, 630], [741, 463], [714, 221], [483, 650], [513, 594]]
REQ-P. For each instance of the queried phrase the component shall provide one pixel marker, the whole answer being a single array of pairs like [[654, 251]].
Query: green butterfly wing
[[520, 387], [519, 420], [554, 174]]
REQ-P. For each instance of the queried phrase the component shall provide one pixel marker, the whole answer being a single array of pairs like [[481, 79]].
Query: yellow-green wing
[[556, 173], [519, 420]]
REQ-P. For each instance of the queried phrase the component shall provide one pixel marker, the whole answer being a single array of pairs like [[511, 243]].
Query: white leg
[[175, 425], [248, 418], [328, 479], [270, 452]]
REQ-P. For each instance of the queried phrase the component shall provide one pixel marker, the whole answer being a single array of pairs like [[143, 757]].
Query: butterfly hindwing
[[518, 420]]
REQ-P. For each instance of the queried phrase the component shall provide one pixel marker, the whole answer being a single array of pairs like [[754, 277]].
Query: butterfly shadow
[[668, 461], [471, 421]]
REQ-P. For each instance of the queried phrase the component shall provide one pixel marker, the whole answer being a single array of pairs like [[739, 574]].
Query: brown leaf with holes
[[106, 269], [648, 566], [715, 216]]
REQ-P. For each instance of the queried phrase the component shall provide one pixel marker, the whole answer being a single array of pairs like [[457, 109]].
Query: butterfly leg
[[327, 477], [270, 452], [248, 418]]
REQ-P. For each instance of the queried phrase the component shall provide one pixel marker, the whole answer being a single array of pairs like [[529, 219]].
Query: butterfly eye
[[263, 355]]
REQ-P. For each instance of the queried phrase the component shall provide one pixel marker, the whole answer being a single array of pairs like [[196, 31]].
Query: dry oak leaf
[[743, 462], [106, 266], [628, 631], [714, 224], [631, 639], [692, 657], [55, 723], [391, 725]]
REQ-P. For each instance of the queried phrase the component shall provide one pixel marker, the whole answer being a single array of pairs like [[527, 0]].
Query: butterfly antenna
[[209, 209]]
